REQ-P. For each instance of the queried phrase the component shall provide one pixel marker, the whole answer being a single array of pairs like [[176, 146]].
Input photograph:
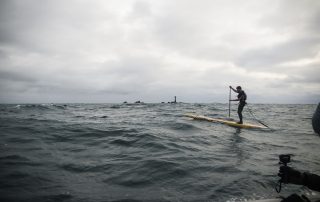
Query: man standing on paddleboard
[[242, 97]]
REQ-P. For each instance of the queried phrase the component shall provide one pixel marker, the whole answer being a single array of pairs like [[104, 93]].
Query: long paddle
[[229, 100]]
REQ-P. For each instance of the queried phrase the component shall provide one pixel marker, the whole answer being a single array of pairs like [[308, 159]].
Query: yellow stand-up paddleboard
[[227, 122]]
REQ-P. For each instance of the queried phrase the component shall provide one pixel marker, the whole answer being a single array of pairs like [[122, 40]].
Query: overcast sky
[[152, 50]]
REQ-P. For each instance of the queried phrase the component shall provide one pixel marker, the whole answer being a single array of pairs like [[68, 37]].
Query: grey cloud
[[308, 74], [294, 16], [50, 26], [20, 22], [14, 76], [297, 23], [140, 10], [128, 50], [266, 57]]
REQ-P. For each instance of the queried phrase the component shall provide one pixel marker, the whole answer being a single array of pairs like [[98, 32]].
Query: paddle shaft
[[229, 100]]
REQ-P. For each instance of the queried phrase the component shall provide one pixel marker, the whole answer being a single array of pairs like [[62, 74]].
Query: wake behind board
[[311, 199], [268, 200], [227, 122]]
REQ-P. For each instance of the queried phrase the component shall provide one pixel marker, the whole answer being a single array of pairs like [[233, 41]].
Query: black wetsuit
[[242, 96]]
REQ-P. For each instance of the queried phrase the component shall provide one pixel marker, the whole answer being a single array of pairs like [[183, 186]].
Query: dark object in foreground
[[289, 175], [316, 120]]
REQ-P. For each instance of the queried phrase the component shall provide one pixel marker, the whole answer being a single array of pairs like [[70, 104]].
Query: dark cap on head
[[239, 87]]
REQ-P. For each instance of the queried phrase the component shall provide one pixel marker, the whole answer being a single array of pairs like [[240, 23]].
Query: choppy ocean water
[[149, 152]]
